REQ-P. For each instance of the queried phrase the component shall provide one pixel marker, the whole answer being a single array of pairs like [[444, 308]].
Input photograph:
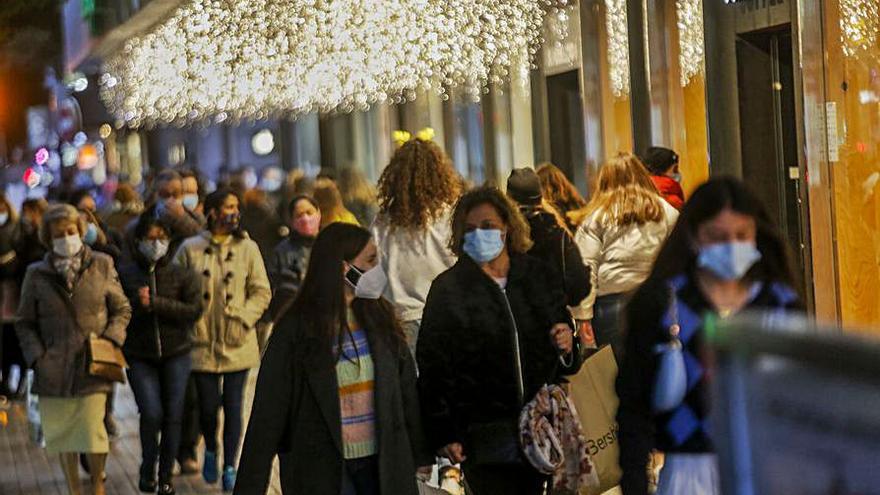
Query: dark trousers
[[189, 430], [509, 480], [159, 388], [226, 389], [361, 476], [608, 322], [11, 354]]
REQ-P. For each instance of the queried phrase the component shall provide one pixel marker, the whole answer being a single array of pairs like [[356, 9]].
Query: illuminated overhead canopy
[[238, 59]]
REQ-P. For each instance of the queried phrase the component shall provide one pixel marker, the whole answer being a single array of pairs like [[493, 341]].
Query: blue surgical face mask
[[91, 234], [729, 260], [677, 177], [153, 250], [483, 245], [190, 201], [4, 217]]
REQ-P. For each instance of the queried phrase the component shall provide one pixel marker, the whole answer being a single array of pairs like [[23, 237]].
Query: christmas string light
[[214, 60], [618, 47], [692, 54], [859, 26]]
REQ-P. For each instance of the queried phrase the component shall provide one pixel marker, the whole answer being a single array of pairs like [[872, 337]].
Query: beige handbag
[[106, 360]]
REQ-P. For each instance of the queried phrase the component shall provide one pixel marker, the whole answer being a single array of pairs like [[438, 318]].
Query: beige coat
[[54, 325], [235, 292]]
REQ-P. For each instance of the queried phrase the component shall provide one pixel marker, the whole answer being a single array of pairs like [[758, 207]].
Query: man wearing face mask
[[168, 198], [166, 303], [235, 292]]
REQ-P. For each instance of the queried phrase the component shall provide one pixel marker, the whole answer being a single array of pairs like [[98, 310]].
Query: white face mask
[[369, 284], [67, 246]]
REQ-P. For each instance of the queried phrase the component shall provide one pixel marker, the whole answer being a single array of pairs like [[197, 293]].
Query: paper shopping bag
[[595, 398]]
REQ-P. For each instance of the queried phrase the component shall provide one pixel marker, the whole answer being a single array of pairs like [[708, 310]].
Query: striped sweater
[[356, 377]]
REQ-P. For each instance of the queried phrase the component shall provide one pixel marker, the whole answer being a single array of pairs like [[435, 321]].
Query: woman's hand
[[563, 337], [144, 296], [454, 452]]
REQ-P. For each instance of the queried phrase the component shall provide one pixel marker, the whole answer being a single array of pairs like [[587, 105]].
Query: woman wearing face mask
[[287, 268], [235, 292], [471, 393], [622, 230], [724, 256], [336, 397], [166, 303], [71, 294], [662, 163]]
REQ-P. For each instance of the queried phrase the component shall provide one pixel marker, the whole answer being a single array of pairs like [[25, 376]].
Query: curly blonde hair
[[519, 236], [418, 183]]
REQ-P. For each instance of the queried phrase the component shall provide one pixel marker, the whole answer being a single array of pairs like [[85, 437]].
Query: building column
[[639, 74], [722, 94]]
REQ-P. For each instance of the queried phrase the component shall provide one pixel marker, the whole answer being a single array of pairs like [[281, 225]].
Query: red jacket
[[670, 190]]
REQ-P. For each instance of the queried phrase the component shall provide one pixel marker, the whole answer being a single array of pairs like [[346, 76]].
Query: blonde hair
[[56, 214], [624, 194], [558, 190]]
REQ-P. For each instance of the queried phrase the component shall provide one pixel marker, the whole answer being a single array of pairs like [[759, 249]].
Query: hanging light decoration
[[691, 48], [236, 59], [618, 47], [859, 26]]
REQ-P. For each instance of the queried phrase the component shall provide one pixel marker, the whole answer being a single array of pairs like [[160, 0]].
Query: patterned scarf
[[68, 268]]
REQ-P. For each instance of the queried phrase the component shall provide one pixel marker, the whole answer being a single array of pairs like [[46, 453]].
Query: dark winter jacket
[[465, 352], [54, 325], [29, 249], [9, 238], [164, 329], [555, 246], [296, 415], [648, 315], [287, 269]]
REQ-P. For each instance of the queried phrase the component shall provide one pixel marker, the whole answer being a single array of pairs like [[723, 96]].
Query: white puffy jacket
[[620, 258]]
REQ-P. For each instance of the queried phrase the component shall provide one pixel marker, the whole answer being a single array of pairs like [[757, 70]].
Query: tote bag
[[595, 398]]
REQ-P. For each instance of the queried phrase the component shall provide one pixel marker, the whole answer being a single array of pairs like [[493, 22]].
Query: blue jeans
[[608, 322], [159, 388], [361, 476], [211, 397]]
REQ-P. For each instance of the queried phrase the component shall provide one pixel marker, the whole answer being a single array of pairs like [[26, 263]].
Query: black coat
[[287, 269], [465, 348], [641, 431], [296, 415], [163, 330], [555, 246]]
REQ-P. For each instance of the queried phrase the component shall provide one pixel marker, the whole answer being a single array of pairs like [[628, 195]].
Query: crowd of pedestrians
[[410, 323]]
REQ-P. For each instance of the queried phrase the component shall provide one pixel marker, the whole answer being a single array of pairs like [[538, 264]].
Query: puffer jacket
[[619, 258], [465, 350], [54, 325], [164, 329], [235, 292]]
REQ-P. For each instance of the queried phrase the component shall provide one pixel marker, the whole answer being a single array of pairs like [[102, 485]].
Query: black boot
[[166, 489]]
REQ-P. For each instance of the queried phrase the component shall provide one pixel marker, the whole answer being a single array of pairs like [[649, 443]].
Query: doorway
[[566, 121], [768, 130]]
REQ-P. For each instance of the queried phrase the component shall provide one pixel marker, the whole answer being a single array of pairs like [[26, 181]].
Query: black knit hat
[[524, 186], [658, 160]]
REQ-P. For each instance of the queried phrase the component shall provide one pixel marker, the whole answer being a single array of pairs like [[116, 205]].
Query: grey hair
[[60, 213]]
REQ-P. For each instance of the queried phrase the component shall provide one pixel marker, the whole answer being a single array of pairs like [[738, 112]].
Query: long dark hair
[[320, 304], [679, 254]]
